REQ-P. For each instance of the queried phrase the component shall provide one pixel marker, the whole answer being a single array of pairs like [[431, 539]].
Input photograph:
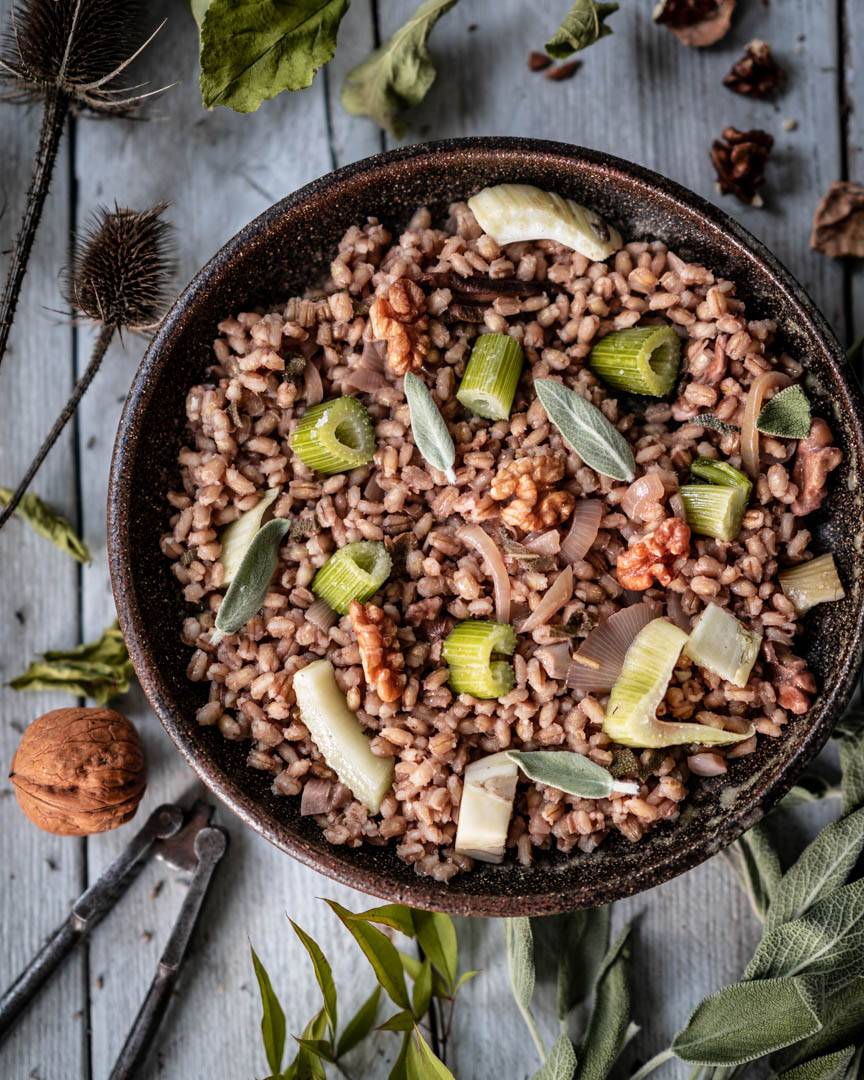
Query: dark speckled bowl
[[288, 247]]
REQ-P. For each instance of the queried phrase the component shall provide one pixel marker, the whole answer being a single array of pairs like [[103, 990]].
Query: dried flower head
[[739, 159], [757, 74], [121, 274], [74, 47]]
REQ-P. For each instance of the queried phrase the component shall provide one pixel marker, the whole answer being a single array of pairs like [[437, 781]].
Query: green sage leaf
[[421, 993], [323, 975], [746, 1021], [570, 772], [429, 428], [398, 75], [560, 1061], [519, 942], [757, 865], [609, 1028], [48, 523], [360, 1024], [237, 537], [850, 735], [581, 961], [821, 869], [252, 50], [381, 953], [827, 1067], [709, 420], [249, 586], [842, 1017], [420, 1061], [98, 669], [272, 1017], [787, 415], [584, 427], [583, 24], [436, 936]]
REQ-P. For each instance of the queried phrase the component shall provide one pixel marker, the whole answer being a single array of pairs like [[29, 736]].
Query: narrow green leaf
[[381, 953], [398, 75], [828, 1067], [575, 944], [746, 1021], [431, 434], [307, 1064], [421, 994], [560, 1062], [436, 936], [850, 735], [583, 24], [786, 415], [584, 427], [360, 1024], [420, 1061], [401, 1021], [48, 523], [609, 1025], [842, 1017], [396, 916], [520, 959], [252, 50], [272, 1017], [249, 585], [321, 1048], [98, 669], [757, 865], [399, 1070], [323, 974], [821, 869]]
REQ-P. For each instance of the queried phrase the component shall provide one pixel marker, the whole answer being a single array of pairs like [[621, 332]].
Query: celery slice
[[721, 644], [355, 572], [468, 651], [631, 714], [721, 473], [337, 733], [643, 360], [513, 212], [714, 511], [237, 536], [491, 377], [334, 436], [811, 583], [488, 791]]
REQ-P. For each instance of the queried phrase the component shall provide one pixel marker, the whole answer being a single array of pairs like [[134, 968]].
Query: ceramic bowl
[[288, 247]]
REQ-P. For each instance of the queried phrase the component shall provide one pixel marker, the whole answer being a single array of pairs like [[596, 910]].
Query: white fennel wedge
[[337, 733], [719, 643], [513, 212], [631, 714], [237, 536], [488, 790]]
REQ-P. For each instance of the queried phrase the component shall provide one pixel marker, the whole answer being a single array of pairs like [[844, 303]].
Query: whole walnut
[[79, 771]]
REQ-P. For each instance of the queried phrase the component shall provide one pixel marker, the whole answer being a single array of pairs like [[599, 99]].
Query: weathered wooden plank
[[41, 873], [852, 118]]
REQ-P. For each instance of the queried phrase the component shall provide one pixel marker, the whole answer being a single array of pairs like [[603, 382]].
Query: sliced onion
[[584, 526], [606, 647], [548, 543], [368, 375], [768, 380], [707, 764], [646, 491], [555, 659], [315, 798], [484, 545], [555, 597], [367, 382], [321, 615], [675, 611], [313, 388], [373, 490]]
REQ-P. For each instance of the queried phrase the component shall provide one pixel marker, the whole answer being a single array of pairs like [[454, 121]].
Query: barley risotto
[[497, 541]]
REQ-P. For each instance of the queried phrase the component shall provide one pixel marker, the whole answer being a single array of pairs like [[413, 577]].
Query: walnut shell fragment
[[838, 224], [697, 23], [79, 771]]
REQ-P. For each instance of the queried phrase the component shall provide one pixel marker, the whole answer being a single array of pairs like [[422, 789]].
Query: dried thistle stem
[[96, 357]]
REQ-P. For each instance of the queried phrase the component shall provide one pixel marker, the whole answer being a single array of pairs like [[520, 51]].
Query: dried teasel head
[[74, 47], [123, 269]]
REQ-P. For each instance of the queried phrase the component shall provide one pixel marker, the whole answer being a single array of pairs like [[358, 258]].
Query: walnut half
[[399, 318], [379, 650], [534, 507]]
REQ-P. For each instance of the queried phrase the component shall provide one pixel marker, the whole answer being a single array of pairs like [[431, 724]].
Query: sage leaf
[[842, 1017], [826, 944], [583, 24], [48, 523], [556, 939], [420, 1061], [252, 50], [519, 943], [560, 1061], [323, 975], [360, 1024], [272, 1017], [246, 592], [421, 993], [584, 427], [787, 415], [827, 1067], [850, 734], [569, 771], [381, 953], [396, 916], [236, 537], [429, 427], [581, 961], [746, 1021], [100, 669], [436, 936], [709, 420], [821, 869], [757, 865], [609, 1027], [398, 75]]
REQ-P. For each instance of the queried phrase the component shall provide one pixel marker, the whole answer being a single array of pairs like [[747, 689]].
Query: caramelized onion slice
[[643, 492], [555, 659], [605, 648], [483, 544], [313, 388], [321, 615], [584, 526], [555, 597], [768, 380], [547, 543]]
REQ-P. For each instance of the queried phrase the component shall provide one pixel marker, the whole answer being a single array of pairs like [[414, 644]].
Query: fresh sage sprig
[[429, 428], [584, 427], [570, 772], [98, 669], [787, 415], [48, 523], [583, 24], [249, 585]]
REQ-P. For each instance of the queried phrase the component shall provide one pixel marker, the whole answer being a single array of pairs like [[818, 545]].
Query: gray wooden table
[[640, 95]]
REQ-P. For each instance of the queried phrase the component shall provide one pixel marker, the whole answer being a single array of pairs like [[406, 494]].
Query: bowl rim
[[425, 892]]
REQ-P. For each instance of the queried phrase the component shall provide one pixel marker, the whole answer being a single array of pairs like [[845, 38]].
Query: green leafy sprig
[[98, 669]]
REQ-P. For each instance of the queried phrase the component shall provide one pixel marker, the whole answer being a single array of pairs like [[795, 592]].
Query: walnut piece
[[399, 318], [815, 458], [838, 224], [739, 159], [79, 771], [654, 556], [698, 23], [379, 650], [534, 506], [757, 74]]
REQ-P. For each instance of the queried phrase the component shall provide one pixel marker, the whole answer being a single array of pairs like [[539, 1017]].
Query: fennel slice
[[488, 791], [237, 536], [719, 643]]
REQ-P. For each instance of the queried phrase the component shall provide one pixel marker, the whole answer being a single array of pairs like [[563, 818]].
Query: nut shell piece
[[79, 771]]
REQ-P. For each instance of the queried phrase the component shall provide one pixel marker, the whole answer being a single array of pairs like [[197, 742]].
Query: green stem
[[654, 1063], [531, 1024]]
